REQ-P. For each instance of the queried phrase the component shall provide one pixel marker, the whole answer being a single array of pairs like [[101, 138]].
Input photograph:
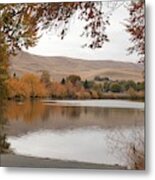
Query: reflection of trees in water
[[111, 113], [128, 146], [56, 116], [28, 111], [104, 112], [85, 110], [45, 114], [4, 145], [73, 112], [33, 111]]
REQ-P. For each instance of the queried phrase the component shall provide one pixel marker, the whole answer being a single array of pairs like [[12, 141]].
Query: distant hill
[[60, 67]]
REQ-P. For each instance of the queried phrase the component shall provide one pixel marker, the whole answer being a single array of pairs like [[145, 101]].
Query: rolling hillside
[[60, 67]]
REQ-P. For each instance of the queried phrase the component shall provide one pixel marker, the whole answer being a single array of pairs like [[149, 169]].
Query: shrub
[[132, 84], [98, 78], [132, 93], [115, 87], [63, 81], [94, 94], [74, 79], [125, 85], [106, 86], [86, 84], [140, 86]]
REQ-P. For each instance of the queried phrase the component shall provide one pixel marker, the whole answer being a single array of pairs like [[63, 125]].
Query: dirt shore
[[12, 160]]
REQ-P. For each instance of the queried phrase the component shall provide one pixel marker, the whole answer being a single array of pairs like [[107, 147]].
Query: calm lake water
[[99, 131]]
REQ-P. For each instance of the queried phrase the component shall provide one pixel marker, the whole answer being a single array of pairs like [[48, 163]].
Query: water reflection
[[87, 134], [28, 111], [36, 115]]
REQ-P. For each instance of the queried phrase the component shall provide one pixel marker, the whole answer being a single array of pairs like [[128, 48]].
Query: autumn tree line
[[72, 87], [19, 29]]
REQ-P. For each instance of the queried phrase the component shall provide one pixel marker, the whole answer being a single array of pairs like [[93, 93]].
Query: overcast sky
[[51, 45]]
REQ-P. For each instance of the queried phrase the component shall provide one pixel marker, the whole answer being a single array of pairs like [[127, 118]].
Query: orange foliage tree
[[16, 88], [29, 85], [35, 87], [58, 90]]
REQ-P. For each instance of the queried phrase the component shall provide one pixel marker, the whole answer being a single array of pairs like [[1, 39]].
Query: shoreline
[[14, 160]]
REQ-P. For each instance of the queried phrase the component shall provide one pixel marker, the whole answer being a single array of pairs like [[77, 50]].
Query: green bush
[[132, 84], [88, 84], [140, 86], [73, 79], [124, 85], [115, 87]]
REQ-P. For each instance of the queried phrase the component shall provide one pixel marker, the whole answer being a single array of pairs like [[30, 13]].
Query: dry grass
[[60, 67]]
